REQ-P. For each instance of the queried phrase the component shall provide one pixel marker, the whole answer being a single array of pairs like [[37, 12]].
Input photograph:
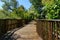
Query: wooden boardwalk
[[28, 32]]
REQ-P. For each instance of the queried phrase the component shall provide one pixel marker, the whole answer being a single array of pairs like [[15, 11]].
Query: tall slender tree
[[9, 6]]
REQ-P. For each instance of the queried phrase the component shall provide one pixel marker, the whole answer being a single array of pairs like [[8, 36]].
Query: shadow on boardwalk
[[10, 35], [28, 32]]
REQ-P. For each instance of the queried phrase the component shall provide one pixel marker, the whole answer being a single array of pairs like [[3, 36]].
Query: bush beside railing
[[48, 29]]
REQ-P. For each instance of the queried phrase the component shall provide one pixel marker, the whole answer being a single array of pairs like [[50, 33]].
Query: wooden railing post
[[50, 30], [46, 30], [56, 34]]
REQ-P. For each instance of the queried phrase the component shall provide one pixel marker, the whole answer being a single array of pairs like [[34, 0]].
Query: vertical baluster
[[56, 31], [7, 25], [50, 30], [53, 34], [42, 28], [45, 30], [12, 21], [11, 25], [59, 30]]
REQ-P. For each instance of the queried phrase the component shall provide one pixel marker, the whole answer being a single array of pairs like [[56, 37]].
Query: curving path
[[28, 32]]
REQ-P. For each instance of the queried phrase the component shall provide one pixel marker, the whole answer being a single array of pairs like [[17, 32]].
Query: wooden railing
[[9, 24], [48, 29]]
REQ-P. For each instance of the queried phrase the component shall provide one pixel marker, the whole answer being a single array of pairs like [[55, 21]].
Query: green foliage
[[38, 6], [49, 9], [48, 3], [41, 9], [10, 5], [33, 12], [54, 11], [21, 11], [13, 11], [13, 15], [2, 14]]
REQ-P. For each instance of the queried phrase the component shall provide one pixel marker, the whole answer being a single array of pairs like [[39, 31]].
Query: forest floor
[[28, 32]]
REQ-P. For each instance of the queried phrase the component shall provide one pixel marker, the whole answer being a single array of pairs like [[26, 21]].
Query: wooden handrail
[[48, 19]]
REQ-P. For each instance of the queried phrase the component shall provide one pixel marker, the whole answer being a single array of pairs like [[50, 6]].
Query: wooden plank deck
[[26, 33]]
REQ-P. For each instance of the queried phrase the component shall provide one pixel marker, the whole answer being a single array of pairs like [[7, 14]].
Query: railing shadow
[[10, 35]]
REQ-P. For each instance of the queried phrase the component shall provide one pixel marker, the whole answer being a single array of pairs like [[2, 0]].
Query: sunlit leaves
[[48, 2]]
